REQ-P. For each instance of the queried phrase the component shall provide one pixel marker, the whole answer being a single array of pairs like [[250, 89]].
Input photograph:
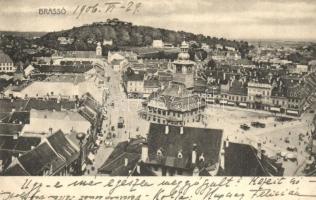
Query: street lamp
[[80, 137]]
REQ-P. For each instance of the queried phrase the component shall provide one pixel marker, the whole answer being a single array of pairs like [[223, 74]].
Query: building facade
[[6, 64]]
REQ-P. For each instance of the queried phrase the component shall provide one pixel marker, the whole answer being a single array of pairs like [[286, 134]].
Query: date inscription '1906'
[[107, 7]]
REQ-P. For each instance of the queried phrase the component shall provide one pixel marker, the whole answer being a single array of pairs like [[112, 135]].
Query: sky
[[233, 19]]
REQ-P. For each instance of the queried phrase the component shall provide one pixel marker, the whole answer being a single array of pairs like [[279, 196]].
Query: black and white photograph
[[124, 88]]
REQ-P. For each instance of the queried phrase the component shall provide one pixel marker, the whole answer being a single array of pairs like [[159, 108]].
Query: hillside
[[28, 35], [126, 34]]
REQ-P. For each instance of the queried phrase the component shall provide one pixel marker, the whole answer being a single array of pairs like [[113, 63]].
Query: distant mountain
[[126, 34]]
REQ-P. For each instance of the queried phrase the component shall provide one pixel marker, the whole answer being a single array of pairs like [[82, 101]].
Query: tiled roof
[[134, 76], [207, 141], [19, 117], [91, 103], [4, 58], [242, 160], [10, 129], [6, 105], [21, 144], [151, 84], [237, 88], [51, 155], [59, 115], [62, 146], [39, 159], [15, 170], [64, 69], [114, 165]]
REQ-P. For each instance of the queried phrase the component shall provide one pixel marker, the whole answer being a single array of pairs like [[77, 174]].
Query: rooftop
[[4, 58], [242, 160], [21, 144], [115, 164], [206, 142]]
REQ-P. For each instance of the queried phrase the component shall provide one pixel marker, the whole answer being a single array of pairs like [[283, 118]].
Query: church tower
[[98, 50]]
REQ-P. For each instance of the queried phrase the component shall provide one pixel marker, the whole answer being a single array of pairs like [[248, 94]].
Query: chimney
[[144, 155], [15, 136], [259, 151], [166, 129], [125, 162], [181, 130], [13, 110], [194, 156], [32, 147], [196, 171], [138, 168], [222, 159], [227, 143]]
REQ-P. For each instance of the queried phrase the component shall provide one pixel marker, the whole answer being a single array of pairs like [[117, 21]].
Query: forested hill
[[126, 34]]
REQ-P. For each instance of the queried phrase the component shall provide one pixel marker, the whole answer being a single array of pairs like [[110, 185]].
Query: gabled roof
[[151, 83], [39, 159], [237, 88], [51, 155], [6, 105], [64, 68], [135, 76], [15, 170], [22, 117], [10, 129], [207, 141], [62, 146], [114, 165], [4, 58], [21, 144], [42, 105], [242, 160]]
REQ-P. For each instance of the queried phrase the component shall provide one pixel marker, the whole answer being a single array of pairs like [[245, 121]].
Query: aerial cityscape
[[118, 98]]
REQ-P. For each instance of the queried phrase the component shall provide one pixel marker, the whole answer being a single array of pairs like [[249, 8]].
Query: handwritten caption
[[93, 8], [177, 188], [107, 7]]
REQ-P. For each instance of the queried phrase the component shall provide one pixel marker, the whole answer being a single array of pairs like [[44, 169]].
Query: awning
[[276, 109], [243, 104], [292, 112], [231, 103], [223, 101]]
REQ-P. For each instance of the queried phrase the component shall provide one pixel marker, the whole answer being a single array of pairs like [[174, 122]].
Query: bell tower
[[98, 50]]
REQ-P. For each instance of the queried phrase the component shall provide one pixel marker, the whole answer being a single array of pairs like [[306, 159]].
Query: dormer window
[[180, 155], [201, 158], [159, 153]]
